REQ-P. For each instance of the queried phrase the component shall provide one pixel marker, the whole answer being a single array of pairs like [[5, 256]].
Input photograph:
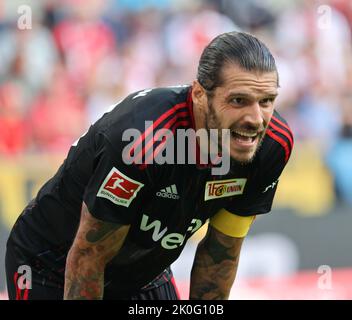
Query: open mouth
[[244, 137]]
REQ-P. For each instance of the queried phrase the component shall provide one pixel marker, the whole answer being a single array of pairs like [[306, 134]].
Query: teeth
[[245, 134]]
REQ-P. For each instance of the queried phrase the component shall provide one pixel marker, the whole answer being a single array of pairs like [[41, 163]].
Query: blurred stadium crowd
[[81, 56]]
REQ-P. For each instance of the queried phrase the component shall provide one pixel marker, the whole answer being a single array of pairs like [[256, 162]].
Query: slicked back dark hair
[[239, 48]]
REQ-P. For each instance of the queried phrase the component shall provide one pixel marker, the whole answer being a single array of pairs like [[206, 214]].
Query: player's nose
[[254, 115]]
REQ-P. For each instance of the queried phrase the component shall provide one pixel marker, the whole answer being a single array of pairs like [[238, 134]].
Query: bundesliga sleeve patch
[[224, 188], [118, 188]]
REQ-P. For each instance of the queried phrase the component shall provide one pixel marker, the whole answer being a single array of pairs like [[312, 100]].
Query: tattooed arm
[[95, 244], [215, 266]]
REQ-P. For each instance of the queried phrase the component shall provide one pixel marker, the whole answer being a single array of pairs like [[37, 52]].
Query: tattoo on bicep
[[101, 231], [218, 252], [98, 230]]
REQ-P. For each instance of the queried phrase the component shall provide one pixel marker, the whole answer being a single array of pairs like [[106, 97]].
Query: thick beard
[[212, 122]]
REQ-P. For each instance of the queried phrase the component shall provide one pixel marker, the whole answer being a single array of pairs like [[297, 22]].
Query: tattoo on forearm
[[96, 243], [88, 287], [215, 265], [83, 281]]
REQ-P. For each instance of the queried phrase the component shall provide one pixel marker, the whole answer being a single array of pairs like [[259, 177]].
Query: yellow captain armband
[[231, 224]]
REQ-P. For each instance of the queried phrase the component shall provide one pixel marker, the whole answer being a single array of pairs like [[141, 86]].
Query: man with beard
[[107, 228]]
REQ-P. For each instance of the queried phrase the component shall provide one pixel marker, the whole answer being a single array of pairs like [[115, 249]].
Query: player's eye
[[238, 101], [267, 102]]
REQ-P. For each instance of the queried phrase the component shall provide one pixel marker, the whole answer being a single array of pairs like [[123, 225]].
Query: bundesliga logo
[[119, 188]]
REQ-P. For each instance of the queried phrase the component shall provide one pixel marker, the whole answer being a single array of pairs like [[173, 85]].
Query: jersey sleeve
[[116, 190], [254, 203], [231, 224], [261, 188]]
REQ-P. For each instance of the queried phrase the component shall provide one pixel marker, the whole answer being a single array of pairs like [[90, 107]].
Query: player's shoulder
[[143, 113], [155, 105], [151, 103], [159, 95], [278, 142]]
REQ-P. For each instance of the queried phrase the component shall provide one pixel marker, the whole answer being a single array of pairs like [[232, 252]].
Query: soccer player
[[105, 227]]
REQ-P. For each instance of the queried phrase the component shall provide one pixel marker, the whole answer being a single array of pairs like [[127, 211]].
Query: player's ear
[[199, 95]]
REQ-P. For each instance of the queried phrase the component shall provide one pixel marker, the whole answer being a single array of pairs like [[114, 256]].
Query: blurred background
[[63, 63]]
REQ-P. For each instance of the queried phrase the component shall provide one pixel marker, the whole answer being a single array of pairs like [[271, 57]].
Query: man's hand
[[95, 244], [215, 266]]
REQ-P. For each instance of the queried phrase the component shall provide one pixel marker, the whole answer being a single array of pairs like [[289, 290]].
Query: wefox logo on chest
[[169, 241]]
